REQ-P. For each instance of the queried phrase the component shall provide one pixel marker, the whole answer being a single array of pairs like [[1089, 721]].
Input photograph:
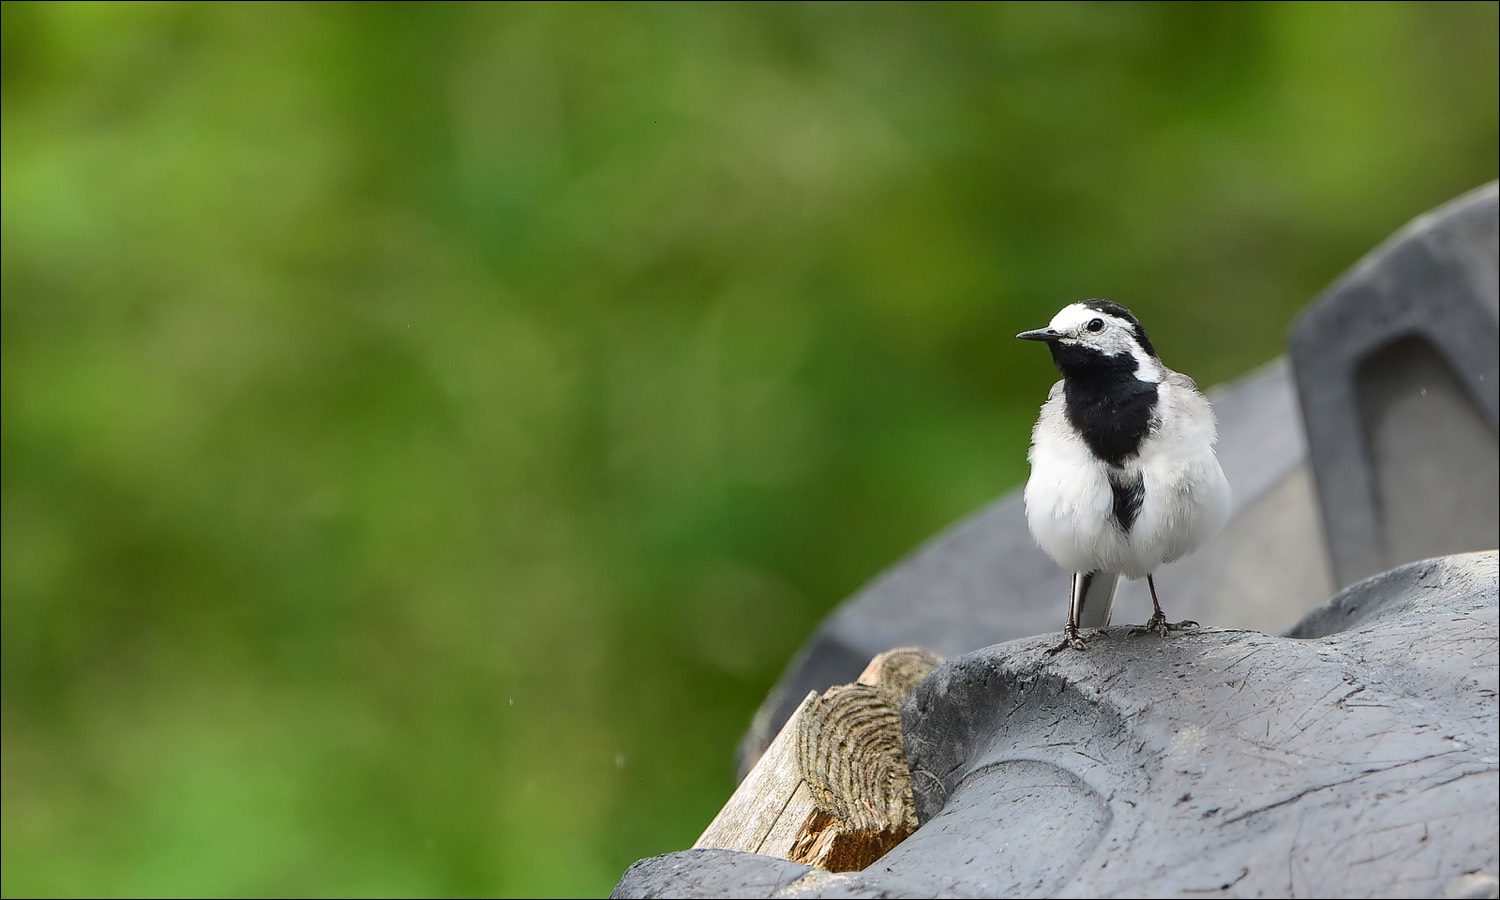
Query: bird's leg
[[1071, 638], [1158, 622]]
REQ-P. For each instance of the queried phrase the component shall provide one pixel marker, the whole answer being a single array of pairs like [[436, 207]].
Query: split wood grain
[[833, 789]]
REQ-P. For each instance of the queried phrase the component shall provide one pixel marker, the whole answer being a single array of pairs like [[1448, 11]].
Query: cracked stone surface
[[1358, 755]]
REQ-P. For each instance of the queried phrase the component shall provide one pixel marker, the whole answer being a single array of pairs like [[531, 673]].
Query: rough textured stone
[[708, 874], [714, 874], [1357, 756]]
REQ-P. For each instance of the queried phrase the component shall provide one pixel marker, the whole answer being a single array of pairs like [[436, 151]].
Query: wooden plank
[[833, 789], [762, 798]]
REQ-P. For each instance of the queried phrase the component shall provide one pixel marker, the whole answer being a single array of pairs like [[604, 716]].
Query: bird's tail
[[1093, 597]]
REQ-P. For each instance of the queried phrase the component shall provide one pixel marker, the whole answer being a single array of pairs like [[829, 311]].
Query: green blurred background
[[429, 429]]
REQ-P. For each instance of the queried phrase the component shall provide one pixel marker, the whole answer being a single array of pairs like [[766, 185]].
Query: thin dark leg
[[1159, 623], [1071, 638]]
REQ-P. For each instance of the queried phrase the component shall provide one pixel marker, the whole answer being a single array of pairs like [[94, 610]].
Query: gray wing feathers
[[1178, 379]]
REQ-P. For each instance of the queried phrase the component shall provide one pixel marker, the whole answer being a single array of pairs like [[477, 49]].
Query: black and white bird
[[1123, 473]]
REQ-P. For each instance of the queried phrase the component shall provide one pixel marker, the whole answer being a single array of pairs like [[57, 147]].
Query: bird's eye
[[1096, 325]]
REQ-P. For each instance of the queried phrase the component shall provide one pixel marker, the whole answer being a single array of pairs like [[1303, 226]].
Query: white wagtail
[[1123, 473]]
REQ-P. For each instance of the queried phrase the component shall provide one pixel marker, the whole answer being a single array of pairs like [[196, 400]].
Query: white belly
[[1070, 505]]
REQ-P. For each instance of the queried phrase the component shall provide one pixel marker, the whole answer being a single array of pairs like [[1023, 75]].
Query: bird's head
[[1098, 335]]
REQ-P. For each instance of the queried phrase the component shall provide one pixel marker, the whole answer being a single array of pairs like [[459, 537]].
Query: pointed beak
[[1041, 334]]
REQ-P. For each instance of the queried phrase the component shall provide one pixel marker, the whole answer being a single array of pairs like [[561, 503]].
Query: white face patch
[[1114, 336]]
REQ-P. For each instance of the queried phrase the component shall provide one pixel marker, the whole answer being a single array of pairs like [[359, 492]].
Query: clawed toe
[[1158, 624], [1073, 641]]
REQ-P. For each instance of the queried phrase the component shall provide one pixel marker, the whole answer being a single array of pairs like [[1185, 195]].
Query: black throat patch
[[1110, 408]]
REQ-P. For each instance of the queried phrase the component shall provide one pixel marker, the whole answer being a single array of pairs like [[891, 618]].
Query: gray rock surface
[[710, 874], [1357, 756]]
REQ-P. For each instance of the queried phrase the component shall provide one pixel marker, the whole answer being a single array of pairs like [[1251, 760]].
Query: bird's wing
[[1177, 379], [1193, 411]]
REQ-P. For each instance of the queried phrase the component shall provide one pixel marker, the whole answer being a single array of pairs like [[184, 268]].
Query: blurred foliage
[[429, 429]]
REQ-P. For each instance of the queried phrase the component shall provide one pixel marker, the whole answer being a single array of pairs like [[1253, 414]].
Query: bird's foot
[[1071, 640], [1158, 624]]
